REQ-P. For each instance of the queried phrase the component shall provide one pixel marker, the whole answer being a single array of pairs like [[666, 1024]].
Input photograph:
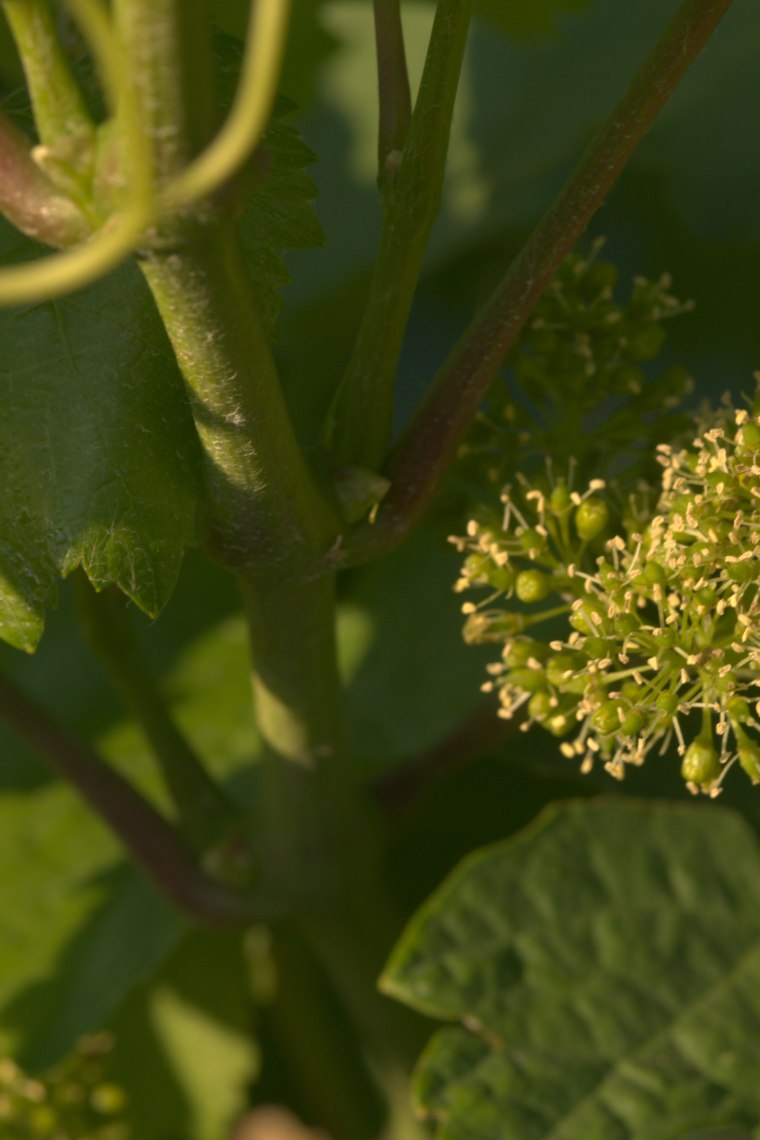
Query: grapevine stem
[[150, 840], [429, 444]]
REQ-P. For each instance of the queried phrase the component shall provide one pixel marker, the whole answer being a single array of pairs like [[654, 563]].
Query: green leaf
[[411, 677], [184, 1049], [77, 931], [605, 964], [98, 455], [528, 18], [280, 215]]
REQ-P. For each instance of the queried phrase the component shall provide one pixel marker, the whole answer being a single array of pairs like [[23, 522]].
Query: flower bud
[[540, 706], [591, 518], [559, 500], [605, 717], [527, 679], [700, 763], [749, 758], [532, 586]]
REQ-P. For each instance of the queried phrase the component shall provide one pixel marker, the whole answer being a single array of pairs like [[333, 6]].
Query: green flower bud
[[667, 706], [700, 763], [738, 710], [561, 664], [561, 721], [527, 679], [646, 342], [605, 718], [600, 277], [749, 758], [532, 542], [559, 500], [591, 518], [481, 627], [632, 723], [748, 436], [655, 574], [596, 647], [582, 618], [625, 624], [742, 572], [519, 651], [540, 706], [532, 586]]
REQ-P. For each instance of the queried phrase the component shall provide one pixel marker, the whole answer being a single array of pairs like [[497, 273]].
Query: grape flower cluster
[[72, 1101], [659, 614]]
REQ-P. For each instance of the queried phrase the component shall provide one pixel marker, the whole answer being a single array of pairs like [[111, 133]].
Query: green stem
[[359, 424], [60, 112], [394, 96], [151, 842], [267, 510], [353, 939], [315, 832], [317, 1044], [295, 674], [269, 520], [167, 47], [205, 813], [429, 444]]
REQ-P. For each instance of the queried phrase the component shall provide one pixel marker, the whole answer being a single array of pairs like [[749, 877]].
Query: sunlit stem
[[59, 109]]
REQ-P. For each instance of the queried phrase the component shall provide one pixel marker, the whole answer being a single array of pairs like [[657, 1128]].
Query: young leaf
[[98, 455], [605, 964]]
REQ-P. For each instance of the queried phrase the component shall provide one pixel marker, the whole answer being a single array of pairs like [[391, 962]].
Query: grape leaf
[[605, 965], [280, 214], [529, 18], [184, 1048], [77, 932], [99, 460]]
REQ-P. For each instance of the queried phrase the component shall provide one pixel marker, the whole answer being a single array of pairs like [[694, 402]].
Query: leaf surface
[[185, 1052], [279, 216], [77, 931], [605, 968], [99, 460]]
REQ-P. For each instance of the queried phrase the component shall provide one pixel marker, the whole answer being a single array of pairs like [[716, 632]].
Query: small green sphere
[[591, 518], [700, 763], [532, 586]]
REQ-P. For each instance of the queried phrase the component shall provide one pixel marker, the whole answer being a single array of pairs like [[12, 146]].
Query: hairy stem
[[269, 519], [429, 444], [60, 113], [359, 424], [266, 508], [151, 842], [206, 815]]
